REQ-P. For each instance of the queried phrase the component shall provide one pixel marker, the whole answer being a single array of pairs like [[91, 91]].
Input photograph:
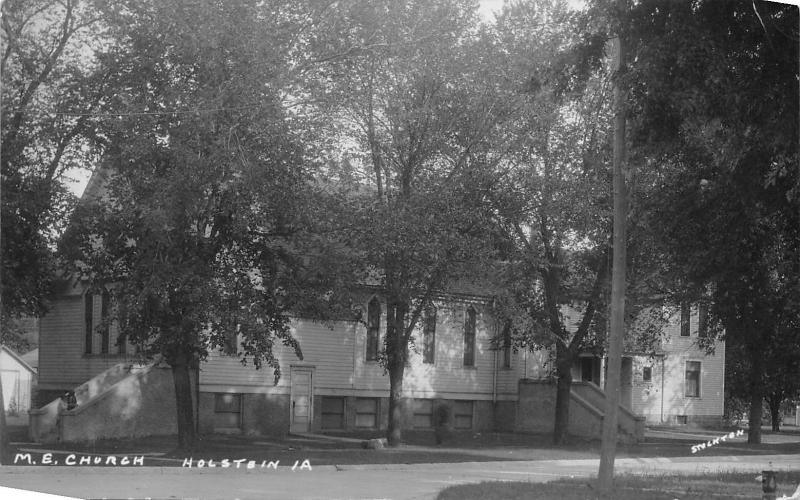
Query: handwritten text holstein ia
[[243, 463]]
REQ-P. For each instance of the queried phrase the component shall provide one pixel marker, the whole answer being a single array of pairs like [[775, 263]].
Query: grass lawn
[[628, 487]]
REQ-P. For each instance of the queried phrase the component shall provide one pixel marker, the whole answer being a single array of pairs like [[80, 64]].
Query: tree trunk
[[756, 399], [774, 401], [183, 401], [394, 433], [563, 389], [396, 353]]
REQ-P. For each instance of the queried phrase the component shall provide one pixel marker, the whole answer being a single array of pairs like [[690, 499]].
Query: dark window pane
[[366, 412], [429, 336], [373, 328], [105, 333], [88, 306], [692, 379], [227, 411], [332, 412], [423, 413], [702, 320], [469, 337], [507, 345], [685, 322], [462, 414]]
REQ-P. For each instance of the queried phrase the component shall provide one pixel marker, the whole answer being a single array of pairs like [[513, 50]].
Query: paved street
[[420, 481]]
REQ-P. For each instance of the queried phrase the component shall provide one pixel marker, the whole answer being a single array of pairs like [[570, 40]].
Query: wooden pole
[[616, 334]]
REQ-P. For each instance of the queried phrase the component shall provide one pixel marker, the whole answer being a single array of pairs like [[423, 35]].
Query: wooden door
[[302, 399]]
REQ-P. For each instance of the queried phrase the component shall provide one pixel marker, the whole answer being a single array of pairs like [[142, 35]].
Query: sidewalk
[[395, 481]]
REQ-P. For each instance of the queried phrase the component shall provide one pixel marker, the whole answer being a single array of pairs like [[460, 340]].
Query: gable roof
[[32, 358], [18, 359]]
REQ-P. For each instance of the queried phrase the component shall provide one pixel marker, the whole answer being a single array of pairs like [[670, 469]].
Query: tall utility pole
[[608, 447]]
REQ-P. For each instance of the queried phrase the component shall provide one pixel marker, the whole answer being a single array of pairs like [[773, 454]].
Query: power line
[[78, 114]]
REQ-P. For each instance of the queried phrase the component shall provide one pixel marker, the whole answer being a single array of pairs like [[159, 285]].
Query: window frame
[[373, 330], [230, 346], [324, 412], [647, 374], [105, 330], [238, 411], [470, 327], [357, 412], [702, 320], [459, 415], [429, 336], [507, 345], [88, 323], [423, 409], [686, 378], [686, 321]]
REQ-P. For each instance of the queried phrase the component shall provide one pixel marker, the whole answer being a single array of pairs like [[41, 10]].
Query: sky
[[489, 7]]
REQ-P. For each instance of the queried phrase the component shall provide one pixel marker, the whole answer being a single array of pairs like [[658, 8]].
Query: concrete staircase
[[536, 411], [592, 400], [126, 400]]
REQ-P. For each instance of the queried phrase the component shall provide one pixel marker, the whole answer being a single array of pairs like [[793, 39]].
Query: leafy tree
[[554, 202], [198, 226], [414, 100], [49, 87], [714, 113], [781, 374], [43, 75]]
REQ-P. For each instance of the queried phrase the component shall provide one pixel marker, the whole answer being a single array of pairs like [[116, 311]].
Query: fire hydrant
[[769, 484]]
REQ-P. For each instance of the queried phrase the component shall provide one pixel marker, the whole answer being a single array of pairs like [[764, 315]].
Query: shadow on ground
[[419, 447]]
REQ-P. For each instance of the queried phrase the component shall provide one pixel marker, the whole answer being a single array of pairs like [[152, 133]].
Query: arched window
[[469, 337], [95, 324], [429, 336], [105, 328], [685, 319], [88, 321], [373, 328], [507, 345]]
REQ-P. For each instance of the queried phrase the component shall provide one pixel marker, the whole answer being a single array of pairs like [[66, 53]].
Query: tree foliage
[[415, 101], [553, 200], [49, 86], [199, 223], [715, 115]]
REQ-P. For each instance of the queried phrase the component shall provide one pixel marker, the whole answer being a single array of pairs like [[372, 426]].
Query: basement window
[[367, 413], [423, 413], [227, 411], [462, 414], [332, 412]]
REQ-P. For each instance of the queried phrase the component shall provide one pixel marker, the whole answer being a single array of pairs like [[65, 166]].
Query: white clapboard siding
[[448, 375], [328, 350], [669, 375], [62, 362]]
